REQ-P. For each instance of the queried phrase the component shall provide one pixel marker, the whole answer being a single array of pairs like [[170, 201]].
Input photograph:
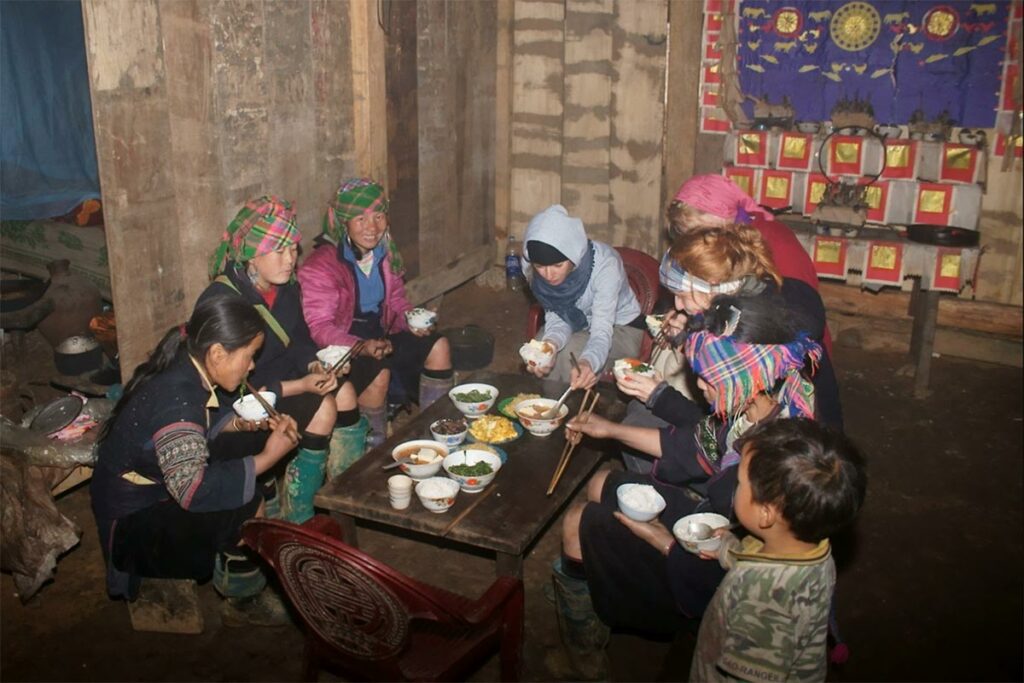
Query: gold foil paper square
[[750, 143], [932, 201], [829, 251], [958, 158], [743, 181], [873, 196], [950, 265], [794, 147], [817, 192], [777, 188], [847, 152], [883, 257], [897, 156]]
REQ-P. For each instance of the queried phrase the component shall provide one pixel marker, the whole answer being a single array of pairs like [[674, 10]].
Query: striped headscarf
[[740, 371], [676, 280], [263, 225], [355, 196]]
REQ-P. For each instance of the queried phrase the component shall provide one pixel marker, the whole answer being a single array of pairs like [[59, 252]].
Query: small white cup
[[400, 491]]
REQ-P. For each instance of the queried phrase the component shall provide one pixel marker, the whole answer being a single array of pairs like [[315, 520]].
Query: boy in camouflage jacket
[[799, 482]]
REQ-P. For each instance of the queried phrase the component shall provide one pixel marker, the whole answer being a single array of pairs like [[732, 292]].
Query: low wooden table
[[512, 516]]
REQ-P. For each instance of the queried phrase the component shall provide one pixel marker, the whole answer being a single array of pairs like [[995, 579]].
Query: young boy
[[799, 482]]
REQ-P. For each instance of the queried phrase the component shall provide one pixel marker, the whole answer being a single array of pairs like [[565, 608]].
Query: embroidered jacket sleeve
[[198, 485]]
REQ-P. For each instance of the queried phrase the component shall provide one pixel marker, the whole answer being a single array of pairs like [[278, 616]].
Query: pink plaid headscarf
[[720, 196]]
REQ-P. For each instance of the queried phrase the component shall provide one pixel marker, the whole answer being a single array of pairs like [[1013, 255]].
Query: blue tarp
[[47, 147]]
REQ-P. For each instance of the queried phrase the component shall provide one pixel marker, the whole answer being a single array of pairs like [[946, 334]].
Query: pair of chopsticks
[[584, 414], [465, 512], [356, 348], [266, 405]]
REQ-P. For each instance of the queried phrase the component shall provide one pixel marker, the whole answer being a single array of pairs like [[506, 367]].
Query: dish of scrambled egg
[[493, 429]]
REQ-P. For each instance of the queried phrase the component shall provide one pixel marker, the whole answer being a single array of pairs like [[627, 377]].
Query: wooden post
[[368, 87], [503, 129], [682, 121]]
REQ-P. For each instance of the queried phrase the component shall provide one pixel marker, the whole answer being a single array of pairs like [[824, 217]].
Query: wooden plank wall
[[197, 107], [588, 115]]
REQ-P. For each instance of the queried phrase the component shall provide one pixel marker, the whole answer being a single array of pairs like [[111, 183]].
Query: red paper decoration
[[830, 257], [776, 189], [900, 159], [931, 206], [884, 263]]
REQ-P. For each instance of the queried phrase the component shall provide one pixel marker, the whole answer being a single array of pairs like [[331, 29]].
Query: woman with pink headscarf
[[715, 201], [710, 200]]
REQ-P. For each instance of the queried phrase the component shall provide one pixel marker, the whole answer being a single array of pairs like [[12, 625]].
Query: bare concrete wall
[[198, 106]]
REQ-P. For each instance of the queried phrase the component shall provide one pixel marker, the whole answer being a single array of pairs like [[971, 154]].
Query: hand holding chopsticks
[[582, 375], [350, 354], [570, 443]]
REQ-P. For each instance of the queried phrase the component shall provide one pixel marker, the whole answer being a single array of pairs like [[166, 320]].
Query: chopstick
[[263, 402], [467, 510], [356, 348], [575, 363], [584, 414]]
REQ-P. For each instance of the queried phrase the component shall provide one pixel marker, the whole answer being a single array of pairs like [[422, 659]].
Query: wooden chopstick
[[465, 512], [340, 363], [584, 414]]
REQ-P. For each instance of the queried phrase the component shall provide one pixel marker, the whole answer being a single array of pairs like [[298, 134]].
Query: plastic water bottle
[[513, 267]]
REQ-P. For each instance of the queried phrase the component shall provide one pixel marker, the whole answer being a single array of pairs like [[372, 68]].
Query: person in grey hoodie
[[589, 308]]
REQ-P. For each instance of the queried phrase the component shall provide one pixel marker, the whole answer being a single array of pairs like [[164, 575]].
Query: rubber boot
[[377, 418], [302, 479], [584, 635], [432, 389], [347, 445], [247, 599]]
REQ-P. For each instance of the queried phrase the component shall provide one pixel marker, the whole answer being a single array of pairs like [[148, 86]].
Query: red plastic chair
[[365, 621], [642, 273]]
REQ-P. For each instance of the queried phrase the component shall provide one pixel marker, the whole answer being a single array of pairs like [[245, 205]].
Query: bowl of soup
[[426, 457], [681, 530], [531, 414]]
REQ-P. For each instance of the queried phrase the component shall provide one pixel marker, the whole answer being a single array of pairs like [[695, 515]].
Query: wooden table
[[512, 515]]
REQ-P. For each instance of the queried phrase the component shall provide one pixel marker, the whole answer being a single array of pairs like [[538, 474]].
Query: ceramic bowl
[[536, 425], [639, 502], [631, 366], [330, 355], [473, 409], [249, 408], [713, 520], [421, 470], [537, 353], [471, 456], [420, 319], [446, 435], [437, 493]]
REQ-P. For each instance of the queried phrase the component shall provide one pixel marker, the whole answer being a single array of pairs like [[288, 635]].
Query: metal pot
[[472, 347], [77, 355]]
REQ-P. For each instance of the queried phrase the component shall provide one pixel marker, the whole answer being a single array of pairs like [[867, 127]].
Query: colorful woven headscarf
[[740, 371], [355, 196], [260, 227], [675, 279], [720, 196]]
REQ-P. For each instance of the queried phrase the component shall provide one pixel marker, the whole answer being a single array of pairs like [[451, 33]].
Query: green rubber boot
[[302, 479], [584, 635], [347, 445], [248, 601]]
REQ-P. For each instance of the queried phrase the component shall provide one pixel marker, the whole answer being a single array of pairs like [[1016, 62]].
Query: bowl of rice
[[437, 494], [639, 502]]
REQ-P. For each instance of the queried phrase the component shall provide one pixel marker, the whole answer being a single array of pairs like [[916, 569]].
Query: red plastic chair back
[[642, 274], [369, 622]]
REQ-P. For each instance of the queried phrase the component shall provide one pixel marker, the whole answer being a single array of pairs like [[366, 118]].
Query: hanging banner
[[900, 159], [795, 151], [830, 257], [883, 263], [776, 189], [948, 266], [933, 204]]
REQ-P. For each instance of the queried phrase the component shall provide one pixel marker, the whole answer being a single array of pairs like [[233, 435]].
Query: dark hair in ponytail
[[762, 318], [226, 319]]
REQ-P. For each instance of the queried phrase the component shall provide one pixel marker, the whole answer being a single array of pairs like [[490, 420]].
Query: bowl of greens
[[473, 399], [473, 468]]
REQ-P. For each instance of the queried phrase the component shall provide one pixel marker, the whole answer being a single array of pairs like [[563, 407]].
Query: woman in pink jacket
[[352, 289]]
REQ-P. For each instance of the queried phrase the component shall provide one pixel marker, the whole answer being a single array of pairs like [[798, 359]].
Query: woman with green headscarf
[[353, 290], [256, 260]]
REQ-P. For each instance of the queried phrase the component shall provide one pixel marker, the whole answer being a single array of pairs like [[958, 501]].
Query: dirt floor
[[930, 583]]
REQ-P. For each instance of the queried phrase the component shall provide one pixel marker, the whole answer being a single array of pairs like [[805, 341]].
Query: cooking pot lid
[[77, 344], [57, 414]]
